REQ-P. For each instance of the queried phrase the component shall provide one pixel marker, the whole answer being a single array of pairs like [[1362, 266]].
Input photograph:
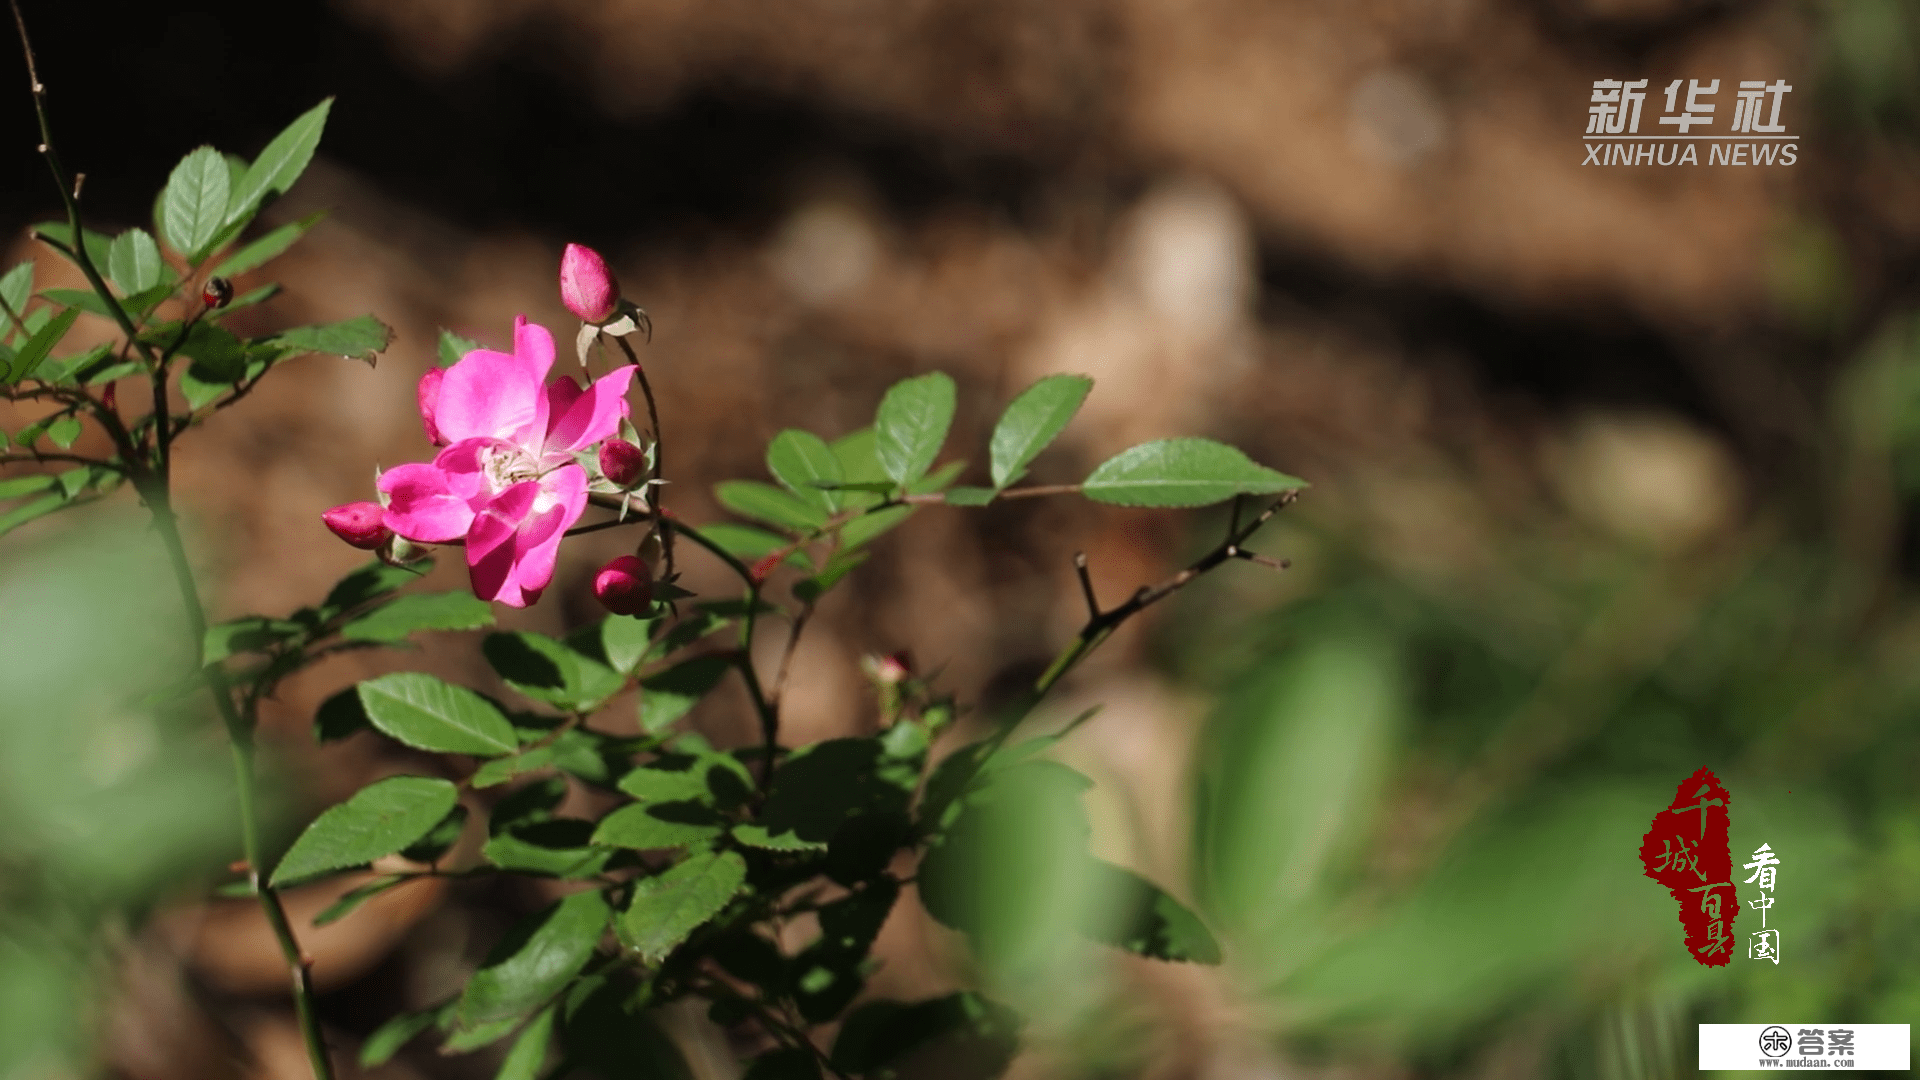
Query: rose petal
[[534, 346], [538, 545], [489, 395], [421, 507], [465, 464], [491, 549], [589, 416], [429, 398]]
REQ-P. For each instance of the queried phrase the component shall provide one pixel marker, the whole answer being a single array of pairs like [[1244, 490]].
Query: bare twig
[[1086, 584], [655, 503]]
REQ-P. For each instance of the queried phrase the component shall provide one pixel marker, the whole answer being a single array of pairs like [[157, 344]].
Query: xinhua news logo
[[1870, 1047], [1692, 128]]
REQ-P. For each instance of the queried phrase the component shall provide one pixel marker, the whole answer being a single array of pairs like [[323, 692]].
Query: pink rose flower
[[587, 287], [507, 483]]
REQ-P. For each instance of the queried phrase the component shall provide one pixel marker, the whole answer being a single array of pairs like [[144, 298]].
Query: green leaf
[[388, 1038], [672, 905], [255, 633], [800, 460], [608, 1032], [359, 338], [970, 496], [279, 164], [368, 582], [421, 611], [818, 788], [427, 713], [837, 568], [64, 431], [42, 342], [133, 262], [550, 671], [462, 1040], [380, 819], [775, 506], [1290, 768], [453, 347], [98, 244], [1011, 870], [347, 904], [1134, 914], [654, 826], [533, 803], [501, 770], [750, 545], [865, 481], [16, 287], [218, 356], [25, 485], [1033, 420], [529, 1050], [439, 839], [757, 836], [911, 425], [655, 785], [26, 512], [557, 847], [871, 524], [1182, 472], [672, 693], [537, 957], [267, 247], [624, 641], [194, 205]]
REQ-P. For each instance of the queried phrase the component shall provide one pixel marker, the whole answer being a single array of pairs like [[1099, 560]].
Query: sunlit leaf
[[1031, 421], [911, 425], [430, 714], [378, 820], [1182, 472]]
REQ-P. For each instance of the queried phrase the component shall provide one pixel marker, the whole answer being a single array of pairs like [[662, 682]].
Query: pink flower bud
[[624, 586], [429, 397], [587, 287], [622, 462], [360, 524]]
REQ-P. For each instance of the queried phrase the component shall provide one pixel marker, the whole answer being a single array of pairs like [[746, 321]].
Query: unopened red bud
[[360, 524], [624, 586], [765, 567], [622, 462], [587, 287], [217, 292]]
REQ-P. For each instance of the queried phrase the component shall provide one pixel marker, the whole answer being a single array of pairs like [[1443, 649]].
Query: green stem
[[240, 735]]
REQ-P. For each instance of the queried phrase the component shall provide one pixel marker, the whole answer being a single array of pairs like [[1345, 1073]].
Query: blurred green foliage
[[105, 796]]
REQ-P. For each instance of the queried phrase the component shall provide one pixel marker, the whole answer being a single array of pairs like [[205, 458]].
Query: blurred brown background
[[1356, 240]]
